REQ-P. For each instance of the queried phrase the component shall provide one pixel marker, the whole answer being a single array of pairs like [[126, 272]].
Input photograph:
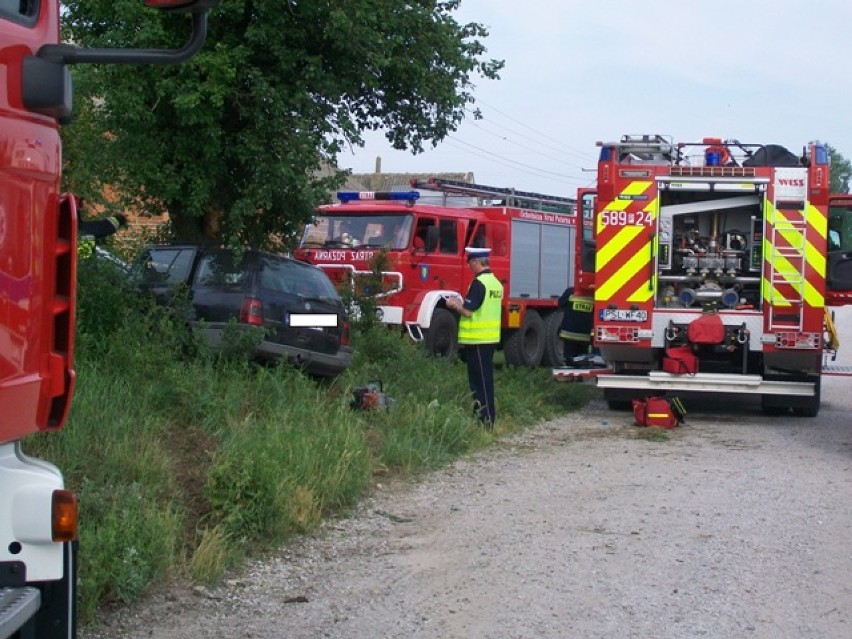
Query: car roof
[[206, 248]]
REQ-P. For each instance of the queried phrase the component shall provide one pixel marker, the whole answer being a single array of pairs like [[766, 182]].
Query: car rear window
[[169, 266], [221, 270], [288, 276]]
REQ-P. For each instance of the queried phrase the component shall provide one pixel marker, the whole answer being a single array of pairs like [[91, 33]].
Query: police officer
[[479, 331], [576, 328]]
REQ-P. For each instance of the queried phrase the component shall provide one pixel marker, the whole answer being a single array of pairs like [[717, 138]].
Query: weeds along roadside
[[185, 461]]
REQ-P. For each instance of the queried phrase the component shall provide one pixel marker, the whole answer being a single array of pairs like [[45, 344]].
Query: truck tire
[[620, 400], [775, 405], [809, 406], [553, 348], [442, 337], [525, 346]]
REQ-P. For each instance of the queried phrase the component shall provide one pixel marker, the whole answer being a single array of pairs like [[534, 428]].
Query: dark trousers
[[572, 348], [480, 376]]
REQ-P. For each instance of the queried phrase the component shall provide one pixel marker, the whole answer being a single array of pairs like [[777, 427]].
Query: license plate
[[621, 315], [312, 320]]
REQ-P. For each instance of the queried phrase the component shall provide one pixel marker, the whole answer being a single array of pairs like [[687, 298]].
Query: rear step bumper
[[708, 383], [17, 607]]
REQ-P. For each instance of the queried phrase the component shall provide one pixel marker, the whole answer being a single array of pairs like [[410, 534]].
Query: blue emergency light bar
[[394, 196]]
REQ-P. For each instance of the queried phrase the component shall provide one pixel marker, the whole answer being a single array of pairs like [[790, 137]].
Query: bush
[[278, 474], [134, 543]]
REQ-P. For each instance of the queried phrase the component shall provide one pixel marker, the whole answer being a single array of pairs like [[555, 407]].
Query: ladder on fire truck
[[507, 197], [787, 265]]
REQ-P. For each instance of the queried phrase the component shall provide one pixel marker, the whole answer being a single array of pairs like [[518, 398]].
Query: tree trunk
[[205, 229]]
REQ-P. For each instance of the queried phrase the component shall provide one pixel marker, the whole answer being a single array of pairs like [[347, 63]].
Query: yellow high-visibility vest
[[483, 326]]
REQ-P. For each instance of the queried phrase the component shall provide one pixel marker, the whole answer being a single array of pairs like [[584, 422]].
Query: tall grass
[[184, 462]]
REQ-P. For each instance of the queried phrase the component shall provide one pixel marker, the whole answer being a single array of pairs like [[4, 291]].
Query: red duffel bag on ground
[[663, 412]]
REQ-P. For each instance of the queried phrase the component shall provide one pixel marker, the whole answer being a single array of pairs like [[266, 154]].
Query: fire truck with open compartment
[[38, 516], [418, 249], [712, 265]]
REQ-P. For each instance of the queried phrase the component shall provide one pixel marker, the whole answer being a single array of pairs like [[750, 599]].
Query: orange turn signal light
[[64, 516]]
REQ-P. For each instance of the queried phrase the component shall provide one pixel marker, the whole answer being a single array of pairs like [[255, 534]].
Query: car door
[[160, 270]]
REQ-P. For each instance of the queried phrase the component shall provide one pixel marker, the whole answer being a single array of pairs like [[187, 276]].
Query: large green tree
[[841, 171], [232, 143]]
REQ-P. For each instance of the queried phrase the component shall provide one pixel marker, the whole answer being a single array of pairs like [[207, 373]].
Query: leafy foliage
[[841, 171], [231, 143]]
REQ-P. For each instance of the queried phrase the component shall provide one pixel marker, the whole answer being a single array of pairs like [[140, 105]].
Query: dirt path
[[735, 526]]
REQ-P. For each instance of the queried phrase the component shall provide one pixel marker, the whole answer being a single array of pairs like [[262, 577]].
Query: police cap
[[477, 253]]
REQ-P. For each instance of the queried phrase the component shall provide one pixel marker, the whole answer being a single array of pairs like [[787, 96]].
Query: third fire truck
[[417, 251], [712, 265]]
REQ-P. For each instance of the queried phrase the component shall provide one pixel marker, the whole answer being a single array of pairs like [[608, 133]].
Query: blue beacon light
[[393, 196]]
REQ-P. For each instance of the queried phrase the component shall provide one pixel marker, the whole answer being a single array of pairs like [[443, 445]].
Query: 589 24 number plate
[[622, 315], [626, 218]]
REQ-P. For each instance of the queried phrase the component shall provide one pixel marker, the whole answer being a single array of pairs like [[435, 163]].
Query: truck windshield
[[390, 231]]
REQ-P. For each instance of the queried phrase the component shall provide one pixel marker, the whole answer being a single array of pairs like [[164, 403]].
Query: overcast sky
[[579, 71]]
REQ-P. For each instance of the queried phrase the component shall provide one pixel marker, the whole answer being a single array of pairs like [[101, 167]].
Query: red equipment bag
[[662, 412], [370, 397], [707, 329], [680, 360]]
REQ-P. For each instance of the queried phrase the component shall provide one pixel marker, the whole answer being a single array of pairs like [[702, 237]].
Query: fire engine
[[417, 249], [38, 516], [712, 265]]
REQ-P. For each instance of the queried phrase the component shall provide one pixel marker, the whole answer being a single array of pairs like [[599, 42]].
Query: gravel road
[[737, 525]]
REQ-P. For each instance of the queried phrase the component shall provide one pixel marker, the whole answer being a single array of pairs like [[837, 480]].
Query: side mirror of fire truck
[[46, 86]]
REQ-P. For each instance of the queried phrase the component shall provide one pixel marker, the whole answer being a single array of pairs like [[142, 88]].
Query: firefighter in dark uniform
[[89, 231], [479, 331], [576, 328]]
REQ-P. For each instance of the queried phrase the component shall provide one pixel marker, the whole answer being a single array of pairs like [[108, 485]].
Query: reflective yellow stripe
[[478, 332], [817, 220], [784, 268], [639, 260], [812, 255], [616, 245], [644, 292], [811, 295], [773, 297]]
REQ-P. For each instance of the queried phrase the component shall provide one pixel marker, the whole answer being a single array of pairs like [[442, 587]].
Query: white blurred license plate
[[620, 315], [312, 320]]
